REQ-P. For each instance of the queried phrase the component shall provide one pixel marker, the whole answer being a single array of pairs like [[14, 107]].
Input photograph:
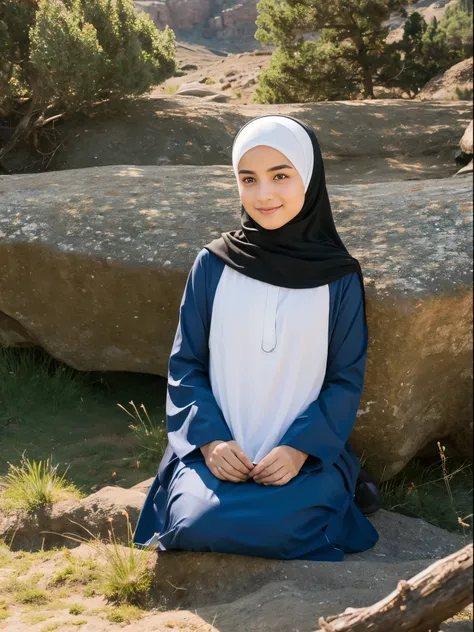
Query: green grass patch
[[50, 627], [150, 434], [85, 572], [33, 484], [170, 88], [33, 619], [438, 490], [49, 411], [125, 614], [77, 608], [33, 596], [4, 614], [125, 571], [30, 380]]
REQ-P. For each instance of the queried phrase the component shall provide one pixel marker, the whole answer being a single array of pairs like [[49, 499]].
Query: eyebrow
[[277, 168]]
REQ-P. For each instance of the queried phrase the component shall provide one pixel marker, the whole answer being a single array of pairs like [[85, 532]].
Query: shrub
[[58, 57]]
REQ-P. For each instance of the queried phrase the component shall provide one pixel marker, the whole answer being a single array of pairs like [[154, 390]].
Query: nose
[[265, 192]]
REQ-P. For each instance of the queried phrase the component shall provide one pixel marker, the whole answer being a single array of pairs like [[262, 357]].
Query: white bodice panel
[[268, 355]]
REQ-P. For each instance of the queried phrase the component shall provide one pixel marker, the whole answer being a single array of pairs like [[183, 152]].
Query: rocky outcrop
[[187, 14], [195, 89], [158, 10], [240, 593], [227, 20], [454, 84], [223, 18], [240, 14], [32, 530], [93, 264]]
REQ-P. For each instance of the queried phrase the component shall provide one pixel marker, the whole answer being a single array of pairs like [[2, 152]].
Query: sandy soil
[[234, 74], [362, 141]]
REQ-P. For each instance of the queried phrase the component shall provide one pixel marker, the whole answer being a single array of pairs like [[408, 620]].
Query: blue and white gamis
[[227, 380]]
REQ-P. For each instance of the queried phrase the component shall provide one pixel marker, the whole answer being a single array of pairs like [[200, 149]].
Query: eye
[[250, 177]]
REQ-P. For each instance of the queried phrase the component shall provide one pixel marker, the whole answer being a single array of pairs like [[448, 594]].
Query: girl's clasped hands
[[228, 462]]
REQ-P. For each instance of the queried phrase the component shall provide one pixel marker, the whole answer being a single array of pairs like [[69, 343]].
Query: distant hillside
[[229, 25]]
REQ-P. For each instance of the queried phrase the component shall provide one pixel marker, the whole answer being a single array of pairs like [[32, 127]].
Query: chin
[[269, 222]]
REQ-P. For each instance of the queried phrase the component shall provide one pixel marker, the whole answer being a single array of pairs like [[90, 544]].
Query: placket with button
[[269, 336]]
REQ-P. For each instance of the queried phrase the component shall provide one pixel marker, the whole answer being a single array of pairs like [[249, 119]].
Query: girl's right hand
[[227, 461]]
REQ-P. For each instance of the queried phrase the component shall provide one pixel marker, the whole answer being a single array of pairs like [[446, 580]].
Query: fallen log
[[420, 604]]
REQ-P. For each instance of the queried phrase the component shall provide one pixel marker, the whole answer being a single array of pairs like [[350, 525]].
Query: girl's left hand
[[279, 466]]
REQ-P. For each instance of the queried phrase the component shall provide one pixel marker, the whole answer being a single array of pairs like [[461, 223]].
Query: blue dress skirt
[[313, 516]]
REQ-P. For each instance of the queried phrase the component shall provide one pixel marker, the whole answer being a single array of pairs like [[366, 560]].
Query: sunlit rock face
[[93, 264]]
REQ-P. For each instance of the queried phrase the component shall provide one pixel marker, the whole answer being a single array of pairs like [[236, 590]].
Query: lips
[[267, 211]]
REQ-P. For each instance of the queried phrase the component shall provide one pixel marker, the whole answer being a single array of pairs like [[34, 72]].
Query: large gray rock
[[43, 528], [207, 592], [451, 85], [93, 264], [195, 89], [246, 593]]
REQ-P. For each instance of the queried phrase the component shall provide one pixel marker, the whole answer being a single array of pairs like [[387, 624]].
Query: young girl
[[266, 372]]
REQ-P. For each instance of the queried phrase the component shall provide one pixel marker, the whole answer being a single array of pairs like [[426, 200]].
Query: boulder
[[238, 593], [452, 85], [93, 263], [31, 531], [218, 98], [469, 168], [246, 593], [194, 89], [467, 141]]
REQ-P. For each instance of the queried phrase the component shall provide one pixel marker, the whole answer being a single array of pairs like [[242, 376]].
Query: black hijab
[[306, 252]]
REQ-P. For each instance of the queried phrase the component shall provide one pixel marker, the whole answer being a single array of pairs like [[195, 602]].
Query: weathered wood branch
[[21, 128], [420, 604]]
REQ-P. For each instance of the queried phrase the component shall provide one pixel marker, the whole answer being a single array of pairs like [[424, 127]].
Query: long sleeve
[[324, 427], [193, 416]]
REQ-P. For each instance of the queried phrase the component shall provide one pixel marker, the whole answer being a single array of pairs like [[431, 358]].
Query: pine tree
[[351, 43], [428, 50]]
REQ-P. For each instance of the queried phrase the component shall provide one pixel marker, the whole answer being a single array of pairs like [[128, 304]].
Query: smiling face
[[270, 187]]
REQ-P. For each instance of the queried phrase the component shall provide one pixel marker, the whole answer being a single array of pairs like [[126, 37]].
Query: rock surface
[[93, 264], [244, 593], [31, 531], [469, 168], [208, 592], [454, 84], [195, 89]]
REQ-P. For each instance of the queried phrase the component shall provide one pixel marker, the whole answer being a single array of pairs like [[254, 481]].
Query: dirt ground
[[361, 141], [233, 74]]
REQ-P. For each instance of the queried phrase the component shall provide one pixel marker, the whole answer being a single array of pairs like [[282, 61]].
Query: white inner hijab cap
[[281, 133]]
